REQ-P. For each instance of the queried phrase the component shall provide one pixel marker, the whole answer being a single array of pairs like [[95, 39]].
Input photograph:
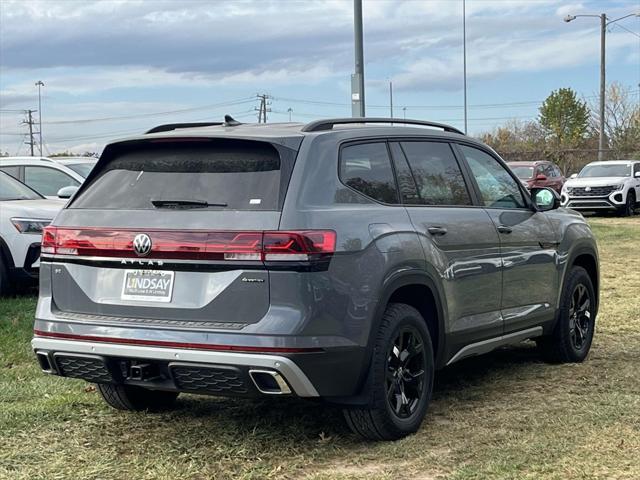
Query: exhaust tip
[[45, 363], [269, 382]]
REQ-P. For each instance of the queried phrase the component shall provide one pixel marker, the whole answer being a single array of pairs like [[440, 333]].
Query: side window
[[557, 171], [13, 171], [636, 169], [497, 188], [47, 181], [437, 173], [367, 168]]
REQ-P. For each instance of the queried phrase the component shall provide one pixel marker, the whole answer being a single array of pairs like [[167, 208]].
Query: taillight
[[301, 246], [48, 240]]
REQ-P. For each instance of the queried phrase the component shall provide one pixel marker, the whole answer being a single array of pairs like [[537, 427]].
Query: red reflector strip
[[166, 344]]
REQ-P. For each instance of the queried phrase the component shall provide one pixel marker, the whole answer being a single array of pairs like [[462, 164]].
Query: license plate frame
[[141, 294]]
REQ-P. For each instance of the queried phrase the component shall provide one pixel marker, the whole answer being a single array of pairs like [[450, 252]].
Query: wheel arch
[[588, 259], [419, 290]]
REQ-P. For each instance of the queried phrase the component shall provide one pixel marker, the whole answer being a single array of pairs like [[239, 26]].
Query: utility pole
[[391, 99], [29, 121], [357, 79], [262, 109], [464, 59], [404, 112]]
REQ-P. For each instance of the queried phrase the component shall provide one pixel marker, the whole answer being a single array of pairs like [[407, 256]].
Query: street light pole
[[357, 79], [289, 110], [464, 59], [39, 84], [603, 34], [391, 99]]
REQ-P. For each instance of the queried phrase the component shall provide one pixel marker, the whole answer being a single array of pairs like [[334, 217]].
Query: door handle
[[437, 230], [504, 229]]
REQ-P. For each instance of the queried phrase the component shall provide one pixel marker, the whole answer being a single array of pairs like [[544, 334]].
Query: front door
[[527, 241]]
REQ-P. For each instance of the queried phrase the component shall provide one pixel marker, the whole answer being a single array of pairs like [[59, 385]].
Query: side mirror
[[541, 176], [637, 174], [67, 192], [574, 175], [545, 199]]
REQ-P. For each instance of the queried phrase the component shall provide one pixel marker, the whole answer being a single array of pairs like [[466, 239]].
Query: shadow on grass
[[304, 423]]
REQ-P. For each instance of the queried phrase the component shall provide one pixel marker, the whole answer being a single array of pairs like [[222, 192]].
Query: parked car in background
[[612, 186], [345, 259], [538, 174], [80, 165], [23, 215], [45, 176]]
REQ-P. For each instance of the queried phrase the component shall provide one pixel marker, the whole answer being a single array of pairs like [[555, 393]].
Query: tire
[[573, 333], [398, 375], [132, 398], [5, 286], [630, 205]]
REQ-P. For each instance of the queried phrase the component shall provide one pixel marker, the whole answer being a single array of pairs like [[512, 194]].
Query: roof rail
[[328, 124], [167, 127]]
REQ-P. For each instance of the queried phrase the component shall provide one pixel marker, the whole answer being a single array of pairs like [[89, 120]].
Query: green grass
[[504, 415]]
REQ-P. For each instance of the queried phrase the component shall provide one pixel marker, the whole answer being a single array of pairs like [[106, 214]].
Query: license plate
[[148, 285]]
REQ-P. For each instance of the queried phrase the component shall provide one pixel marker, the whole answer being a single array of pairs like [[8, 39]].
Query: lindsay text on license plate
[[148, 285]]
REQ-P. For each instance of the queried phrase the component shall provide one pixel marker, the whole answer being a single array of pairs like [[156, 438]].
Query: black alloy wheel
[[406, 364]]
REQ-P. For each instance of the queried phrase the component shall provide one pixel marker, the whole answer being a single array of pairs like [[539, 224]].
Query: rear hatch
[[171, 232]]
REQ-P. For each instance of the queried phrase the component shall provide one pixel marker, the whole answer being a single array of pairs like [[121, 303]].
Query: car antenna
[[229, 121]]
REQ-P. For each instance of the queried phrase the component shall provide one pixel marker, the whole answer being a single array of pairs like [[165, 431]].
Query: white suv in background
[[23, 215], [612, 185], [42, 174]]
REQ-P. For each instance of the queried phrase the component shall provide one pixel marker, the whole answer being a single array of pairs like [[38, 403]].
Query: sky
[[117, 68]]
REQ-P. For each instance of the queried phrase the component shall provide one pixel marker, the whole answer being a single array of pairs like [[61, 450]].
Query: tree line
[[566, 130]]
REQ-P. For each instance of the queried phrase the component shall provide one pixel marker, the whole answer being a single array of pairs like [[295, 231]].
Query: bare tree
[[622, 122]]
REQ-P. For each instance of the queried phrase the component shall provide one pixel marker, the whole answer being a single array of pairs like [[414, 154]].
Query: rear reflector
[[171, 344], [298, 246]]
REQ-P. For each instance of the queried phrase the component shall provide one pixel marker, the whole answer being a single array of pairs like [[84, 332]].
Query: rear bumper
[[103, 363], [326, 371]]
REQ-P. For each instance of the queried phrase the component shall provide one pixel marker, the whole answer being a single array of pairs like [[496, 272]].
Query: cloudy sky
[[114, 68]]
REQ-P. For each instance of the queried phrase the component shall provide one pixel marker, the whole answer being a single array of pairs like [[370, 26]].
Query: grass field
[[504, 415]]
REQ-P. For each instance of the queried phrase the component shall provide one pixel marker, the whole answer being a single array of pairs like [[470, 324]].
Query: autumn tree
[[565, 121]]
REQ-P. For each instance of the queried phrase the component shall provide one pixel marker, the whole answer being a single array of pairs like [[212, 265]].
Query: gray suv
[[345, 259]]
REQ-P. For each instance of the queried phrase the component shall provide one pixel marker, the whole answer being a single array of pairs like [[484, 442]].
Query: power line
[[155, 114]]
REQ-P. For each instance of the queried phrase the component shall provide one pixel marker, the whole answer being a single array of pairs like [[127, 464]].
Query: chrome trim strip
[[285, 366], [486, 346]]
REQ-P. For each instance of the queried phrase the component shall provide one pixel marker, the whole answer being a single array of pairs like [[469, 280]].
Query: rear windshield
[[225, 174]]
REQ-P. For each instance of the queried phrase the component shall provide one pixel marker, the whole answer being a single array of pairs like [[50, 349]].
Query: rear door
[[458, 237], [527, 240], [170, 232]]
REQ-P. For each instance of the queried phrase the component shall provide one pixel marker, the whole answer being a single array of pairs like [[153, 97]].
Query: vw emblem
[[142, 244], [587, 189]]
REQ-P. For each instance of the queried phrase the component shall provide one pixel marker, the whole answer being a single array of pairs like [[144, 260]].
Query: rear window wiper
[[178, 204]]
